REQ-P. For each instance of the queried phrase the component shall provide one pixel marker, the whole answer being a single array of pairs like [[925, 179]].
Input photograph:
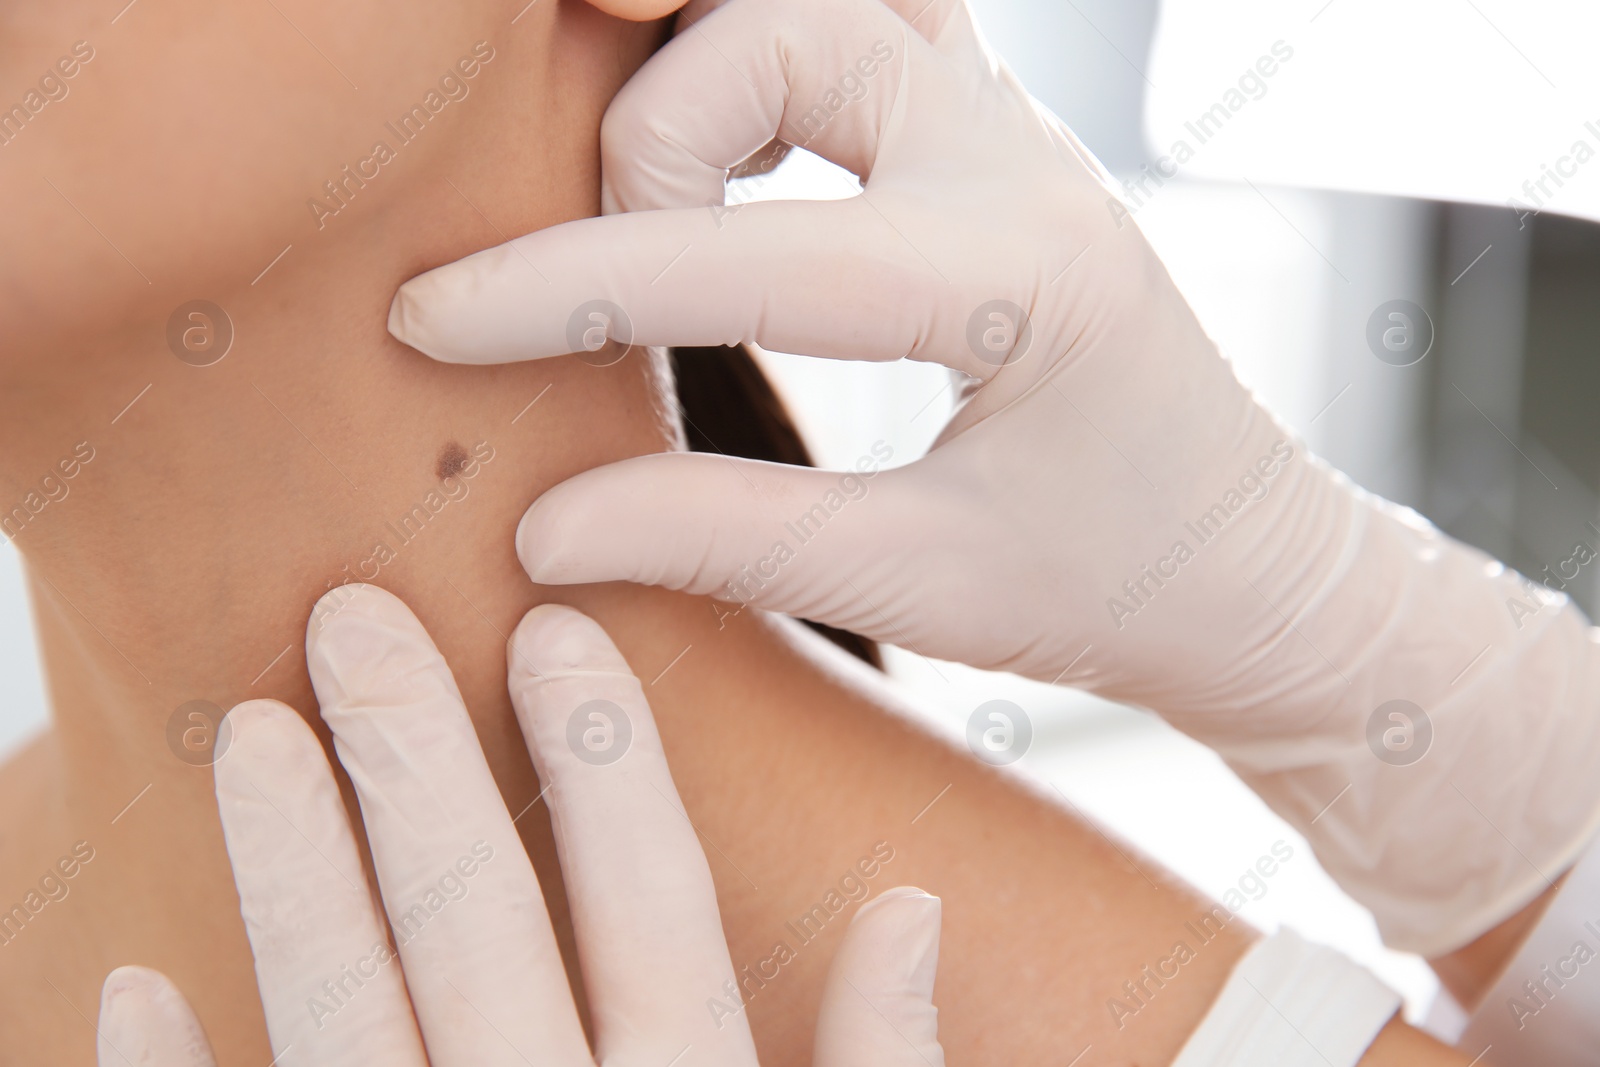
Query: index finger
[[332, 993], [644, 907], [481, 960], [791, 276], [845, 279]]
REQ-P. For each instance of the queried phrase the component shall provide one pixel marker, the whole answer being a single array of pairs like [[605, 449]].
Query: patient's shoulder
[[39, 1026]]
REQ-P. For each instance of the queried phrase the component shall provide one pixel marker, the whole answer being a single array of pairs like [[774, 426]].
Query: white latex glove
[[1110, 509], [478, 979]]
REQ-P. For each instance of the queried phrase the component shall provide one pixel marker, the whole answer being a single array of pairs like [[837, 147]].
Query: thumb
[[146, 1022], [877, 1007], [791, 539]]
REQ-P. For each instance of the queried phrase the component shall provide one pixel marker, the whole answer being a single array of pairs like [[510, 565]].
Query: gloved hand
[[1110, 508], [476, 953]]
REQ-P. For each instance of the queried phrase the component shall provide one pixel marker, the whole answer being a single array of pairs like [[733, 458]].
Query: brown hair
[[729, 406]]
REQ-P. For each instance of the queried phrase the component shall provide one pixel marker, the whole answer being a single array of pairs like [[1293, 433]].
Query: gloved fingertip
[[365, 648], [898, 930], [528, 546], [398, 314], [553, 639], [144, 1019], [127, 987], [409, 318], [891, 899], [878, 1003], [260, 735], [264, 727], [347, 609], [539, 541]]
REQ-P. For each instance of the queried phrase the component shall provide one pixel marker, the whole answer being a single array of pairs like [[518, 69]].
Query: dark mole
[[452, 461]]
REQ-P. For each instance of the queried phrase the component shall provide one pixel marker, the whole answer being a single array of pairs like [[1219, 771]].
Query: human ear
[[638, 10]]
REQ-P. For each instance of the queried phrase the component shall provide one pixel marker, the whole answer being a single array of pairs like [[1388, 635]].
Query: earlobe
[[638, 10]]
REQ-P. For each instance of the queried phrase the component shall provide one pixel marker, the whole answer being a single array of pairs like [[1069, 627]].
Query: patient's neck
[[184, 563], [184, 558], [204, 520], [179, 521]]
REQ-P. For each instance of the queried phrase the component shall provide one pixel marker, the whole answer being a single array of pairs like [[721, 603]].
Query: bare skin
[[221, 501], [1472, 970]]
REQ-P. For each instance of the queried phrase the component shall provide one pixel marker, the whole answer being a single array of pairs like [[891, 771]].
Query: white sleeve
[[1291, 1003], [1545, 1009]]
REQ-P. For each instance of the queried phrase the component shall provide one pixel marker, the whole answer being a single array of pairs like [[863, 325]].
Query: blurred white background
[[1275, 234], [23, 709]]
